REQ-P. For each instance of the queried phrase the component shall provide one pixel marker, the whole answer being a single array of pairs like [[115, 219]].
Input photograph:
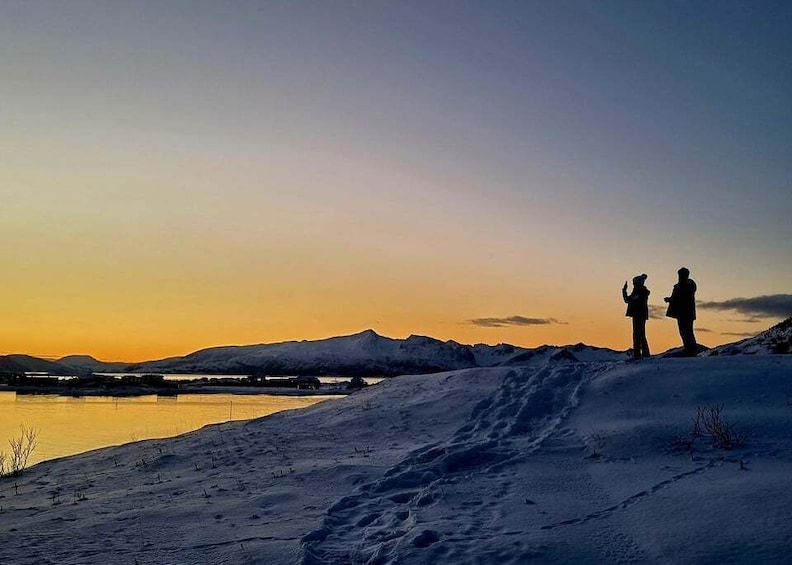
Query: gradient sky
[[182, 174]]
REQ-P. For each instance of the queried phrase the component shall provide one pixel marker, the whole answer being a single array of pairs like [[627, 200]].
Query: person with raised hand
[[638, 309]]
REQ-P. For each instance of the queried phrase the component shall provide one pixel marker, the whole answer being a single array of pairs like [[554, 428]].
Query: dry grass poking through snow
[[21, 448]]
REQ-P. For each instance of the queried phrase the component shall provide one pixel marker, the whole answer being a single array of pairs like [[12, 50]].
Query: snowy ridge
[[368, 353], [564, 463], [566, 354], [365, 353], [509, 424], [22, 363], [776, 340]]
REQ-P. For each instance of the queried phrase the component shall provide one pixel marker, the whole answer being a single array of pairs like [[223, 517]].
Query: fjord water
[[68, 425]]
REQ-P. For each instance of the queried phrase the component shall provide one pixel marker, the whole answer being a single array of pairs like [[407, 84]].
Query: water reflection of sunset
[[67, 425]]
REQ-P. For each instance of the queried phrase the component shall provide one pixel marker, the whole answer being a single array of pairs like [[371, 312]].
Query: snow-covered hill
[[560, 463], [566, 354], [365, 354], [368, 353], [86, 363], [776, 340], [25, 363]]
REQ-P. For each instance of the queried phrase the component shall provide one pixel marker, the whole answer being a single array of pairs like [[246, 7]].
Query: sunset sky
[[182, 174]]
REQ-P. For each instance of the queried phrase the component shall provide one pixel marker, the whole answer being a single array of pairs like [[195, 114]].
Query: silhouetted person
[[638, 309], [682, 306]]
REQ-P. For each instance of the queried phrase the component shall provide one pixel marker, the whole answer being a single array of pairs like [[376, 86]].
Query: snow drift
[[563, 463]]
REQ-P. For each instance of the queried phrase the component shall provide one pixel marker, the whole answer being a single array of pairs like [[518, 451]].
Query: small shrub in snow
[[710, 423], [594, 443], [21, 449]]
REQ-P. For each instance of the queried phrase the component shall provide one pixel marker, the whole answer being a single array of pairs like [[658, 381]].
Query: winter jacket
[[637, 302], [682, 305]]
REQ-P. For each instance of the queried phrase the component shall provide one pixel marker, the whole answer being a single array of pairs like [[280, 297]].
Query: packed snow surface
[[560, 463]]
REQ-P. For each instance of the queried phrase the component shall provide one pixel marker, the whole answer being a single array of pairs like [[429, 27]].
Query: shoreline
[[131, 391]]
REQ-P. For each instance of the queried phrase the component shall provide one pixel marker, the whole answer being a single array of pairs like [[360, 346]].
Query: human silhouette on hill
[[638, 309], [682, 306]]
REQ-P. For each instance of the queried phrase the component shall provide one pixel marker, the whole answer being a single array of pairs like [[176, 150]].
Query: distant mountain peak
[[78, 358], [772, 341], [425, 338], [366, 333]]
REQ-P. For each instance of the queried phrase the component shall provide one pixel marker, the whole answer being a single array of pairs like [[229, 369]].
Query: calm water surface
[[68, 425]]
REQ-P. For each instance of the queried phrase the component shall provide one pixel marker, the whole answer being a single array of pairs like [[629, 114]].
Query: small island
[[94, 384]]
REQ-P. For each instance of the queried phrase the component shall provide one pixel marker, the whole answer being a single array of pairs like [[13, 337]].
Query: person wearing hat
[[682, 306], [638, 309]]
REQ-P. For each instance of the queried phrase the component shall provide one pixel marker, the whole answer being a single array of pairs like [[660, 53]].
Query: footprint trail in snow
[[395, 514]]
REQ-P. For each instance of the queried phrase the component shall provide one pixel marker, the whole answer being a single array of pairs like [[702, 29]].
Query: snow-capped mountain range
[[369, 354]]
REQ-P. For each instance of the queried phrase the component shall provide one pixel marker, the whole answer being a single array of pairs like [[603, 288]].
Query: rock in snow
[[559, 463]]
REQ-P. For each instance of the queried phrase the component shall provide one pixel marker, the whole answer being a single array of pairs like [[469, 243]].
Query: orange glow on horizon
[[134, 340]]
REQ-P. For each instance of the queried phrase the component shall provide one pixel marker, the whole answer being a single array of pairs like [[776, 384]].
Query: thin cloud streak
[[657, 312], [513, 321], [739, 334], [767, 306]]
